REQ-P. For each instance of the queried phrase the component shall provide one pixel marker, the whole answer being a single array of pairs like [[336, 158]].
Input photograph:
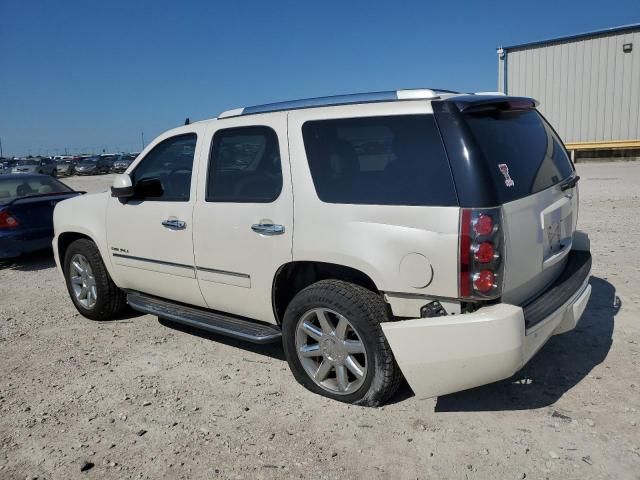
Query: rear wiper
[[569, 183]]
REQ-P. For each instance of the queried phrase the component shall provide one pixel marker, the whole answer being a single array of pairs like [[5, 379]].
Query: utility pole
[[1, 155], [142, 136]]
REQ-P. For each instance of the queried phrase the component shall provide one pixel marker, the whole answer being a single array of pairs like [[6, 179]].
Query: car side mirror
[[148, 188], [122, 187], [43, 163]]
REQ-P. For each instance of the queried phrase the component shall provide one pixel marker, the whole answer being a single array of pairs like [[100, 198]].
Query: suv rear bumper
[[447, 354]]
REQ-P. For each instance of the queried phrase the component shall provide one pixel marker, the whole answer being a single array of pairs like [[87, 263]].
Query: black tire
[[365, 310], [111, 301]]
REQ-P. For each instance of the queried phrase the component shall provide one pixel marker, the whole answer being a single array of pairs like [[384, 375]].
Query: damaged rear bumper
[[447, 354]]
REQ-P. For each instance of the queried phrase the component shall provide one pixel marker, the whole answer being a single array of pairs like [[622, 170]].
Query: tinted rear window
[[12, 187], [391, 160], [534, 156]]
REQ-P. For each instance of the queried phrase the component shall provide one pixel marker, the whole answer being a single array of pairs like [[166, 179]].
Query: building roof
[[578, 36]]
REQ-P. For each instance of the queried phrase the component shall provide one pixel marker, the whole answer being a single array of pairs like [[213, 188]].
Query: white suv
[[415, 233]]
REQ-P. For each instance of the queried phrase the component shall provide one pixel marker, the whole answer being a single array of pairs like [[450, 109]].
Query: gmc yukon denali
[[422, 234]]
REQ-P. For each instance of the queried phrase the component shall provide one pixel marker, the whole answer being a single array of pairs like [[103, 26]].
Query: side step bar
[[215, 322]]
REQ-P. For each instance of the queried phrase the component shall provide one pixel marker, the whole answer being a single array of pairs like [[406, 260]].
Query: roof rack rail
[[370, 97]]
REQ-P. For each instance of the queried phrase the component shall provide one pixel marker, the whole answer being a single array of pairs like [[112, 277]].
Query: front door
[[243, 219], [150, 236]]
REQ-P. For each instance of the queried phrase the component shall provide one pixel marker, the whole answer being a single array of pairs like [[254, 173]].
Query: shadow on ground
[[31, 262], [559, 366]]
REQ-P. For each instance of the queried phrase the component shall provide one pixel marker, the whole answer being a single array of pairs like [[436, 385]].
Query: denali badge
[[507, 178]]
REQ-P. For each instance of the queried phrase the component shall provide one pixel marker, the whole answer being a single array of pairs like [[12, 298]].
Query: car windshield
[[88, 161], [22, 163], [12, 187]]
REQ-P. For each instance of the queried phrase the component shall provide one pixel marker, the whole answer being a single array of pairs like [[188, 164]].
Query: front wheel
[[91, 289], [335, 346]]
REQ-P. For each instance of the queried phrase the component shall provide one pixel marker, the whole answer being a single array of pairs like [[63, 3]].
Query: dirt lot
[[140, 398]]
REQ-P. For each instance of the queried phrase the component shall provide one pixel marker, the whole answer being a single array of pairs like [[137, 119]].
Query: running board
[[215, 322]]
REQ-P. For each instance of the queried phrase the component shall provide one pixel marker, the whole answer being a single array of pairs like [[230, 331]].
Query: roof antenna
[[187, 121]]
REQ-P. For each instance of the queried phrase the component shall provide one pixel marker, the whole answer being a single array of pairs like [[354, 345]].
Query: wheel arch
[[292, 277], [64, 240]]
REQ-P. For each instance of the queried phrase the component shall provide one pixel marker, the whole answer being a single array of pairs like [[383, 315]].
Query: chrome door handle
[[174, 224], [268, 228]]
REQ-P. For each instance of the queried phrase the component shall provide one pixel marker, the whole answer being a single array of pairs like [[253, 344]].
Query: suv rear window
[[386, 160], [498, 156], [524, 142]]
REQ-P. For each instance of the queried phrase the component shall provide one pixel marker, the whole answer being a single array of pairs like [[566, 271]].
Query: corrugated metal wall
[[589, 89]]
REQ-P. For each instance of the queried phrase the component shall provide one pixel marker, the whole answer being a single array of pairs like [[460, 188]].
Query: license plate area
[[557, 231]]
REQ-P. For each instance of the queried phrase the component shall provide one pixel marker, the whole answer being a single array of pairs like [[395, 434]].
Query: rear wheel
[[335, 346], [91, 289]]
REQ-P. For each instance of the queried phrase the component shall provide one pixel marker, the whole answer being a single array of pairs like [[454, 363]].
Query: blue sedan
[[26, 212]]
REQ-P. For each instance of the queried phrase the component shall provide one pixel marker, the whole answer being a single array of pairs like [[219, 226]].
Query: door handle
[[174, 224], [268, 228]]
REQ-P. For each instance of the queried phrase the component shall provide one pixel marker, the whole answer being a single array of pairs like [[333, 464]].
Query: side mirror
[[148, 188], [122, 186]]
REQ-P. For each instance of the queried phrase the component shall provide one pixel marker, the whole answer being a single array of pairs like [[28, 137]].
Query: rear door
[[243, 219], [516, 160]]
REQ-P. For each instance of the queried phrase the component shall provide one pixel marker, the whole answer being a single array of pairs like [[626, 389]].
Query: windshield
[[88, 161], [26, 162], [12, 188]]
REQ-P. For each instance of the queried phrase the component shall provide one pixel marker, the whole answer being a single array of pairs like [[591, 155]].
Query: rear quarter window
[[386, 160]]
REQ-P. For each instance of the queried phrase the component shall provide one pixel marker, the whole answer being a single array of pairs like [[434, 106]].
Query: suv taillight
[[481, 253], [7, 220]]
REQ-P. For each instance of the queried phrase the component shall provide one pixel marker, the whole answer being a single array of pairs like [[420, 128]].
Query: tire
[[364, 310], [110, 301]]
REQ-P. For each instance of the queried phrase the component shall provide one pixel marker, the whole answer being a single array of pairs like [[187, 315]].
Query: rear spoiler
[[469, 103]]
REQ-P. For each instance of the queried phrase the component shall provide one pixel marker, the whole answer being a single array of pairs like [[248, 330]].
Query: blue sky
[[89, 75]]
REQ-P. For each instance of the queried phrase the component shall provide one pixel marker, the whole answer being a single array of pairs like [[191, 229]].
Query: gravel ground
[[141, 398]]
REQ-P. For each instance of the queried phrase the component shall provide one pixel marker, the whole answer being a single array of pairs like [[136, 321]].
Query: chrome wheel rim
[[83, 283], [331, 351]]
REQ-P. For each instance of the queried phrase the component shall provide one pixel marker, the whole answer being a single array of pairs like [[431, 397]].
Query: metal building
[[588, 86]]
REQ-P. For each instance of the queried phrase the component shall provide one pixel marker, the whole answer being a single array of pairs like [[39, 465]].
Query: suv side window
[[171, 162], [386, 160], [244, 166]]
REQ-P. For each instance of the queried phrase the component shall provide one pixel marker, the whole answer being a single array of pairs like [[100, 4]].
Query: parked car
[[7, 165], [433, 236], [110, 158], [35, 165], [122, 163], [92, 166], [26, 212], [64, 168]]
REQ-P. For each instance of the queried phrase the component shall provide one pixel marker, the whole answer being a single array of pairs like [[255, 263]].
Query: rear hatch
[[503, 153]]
